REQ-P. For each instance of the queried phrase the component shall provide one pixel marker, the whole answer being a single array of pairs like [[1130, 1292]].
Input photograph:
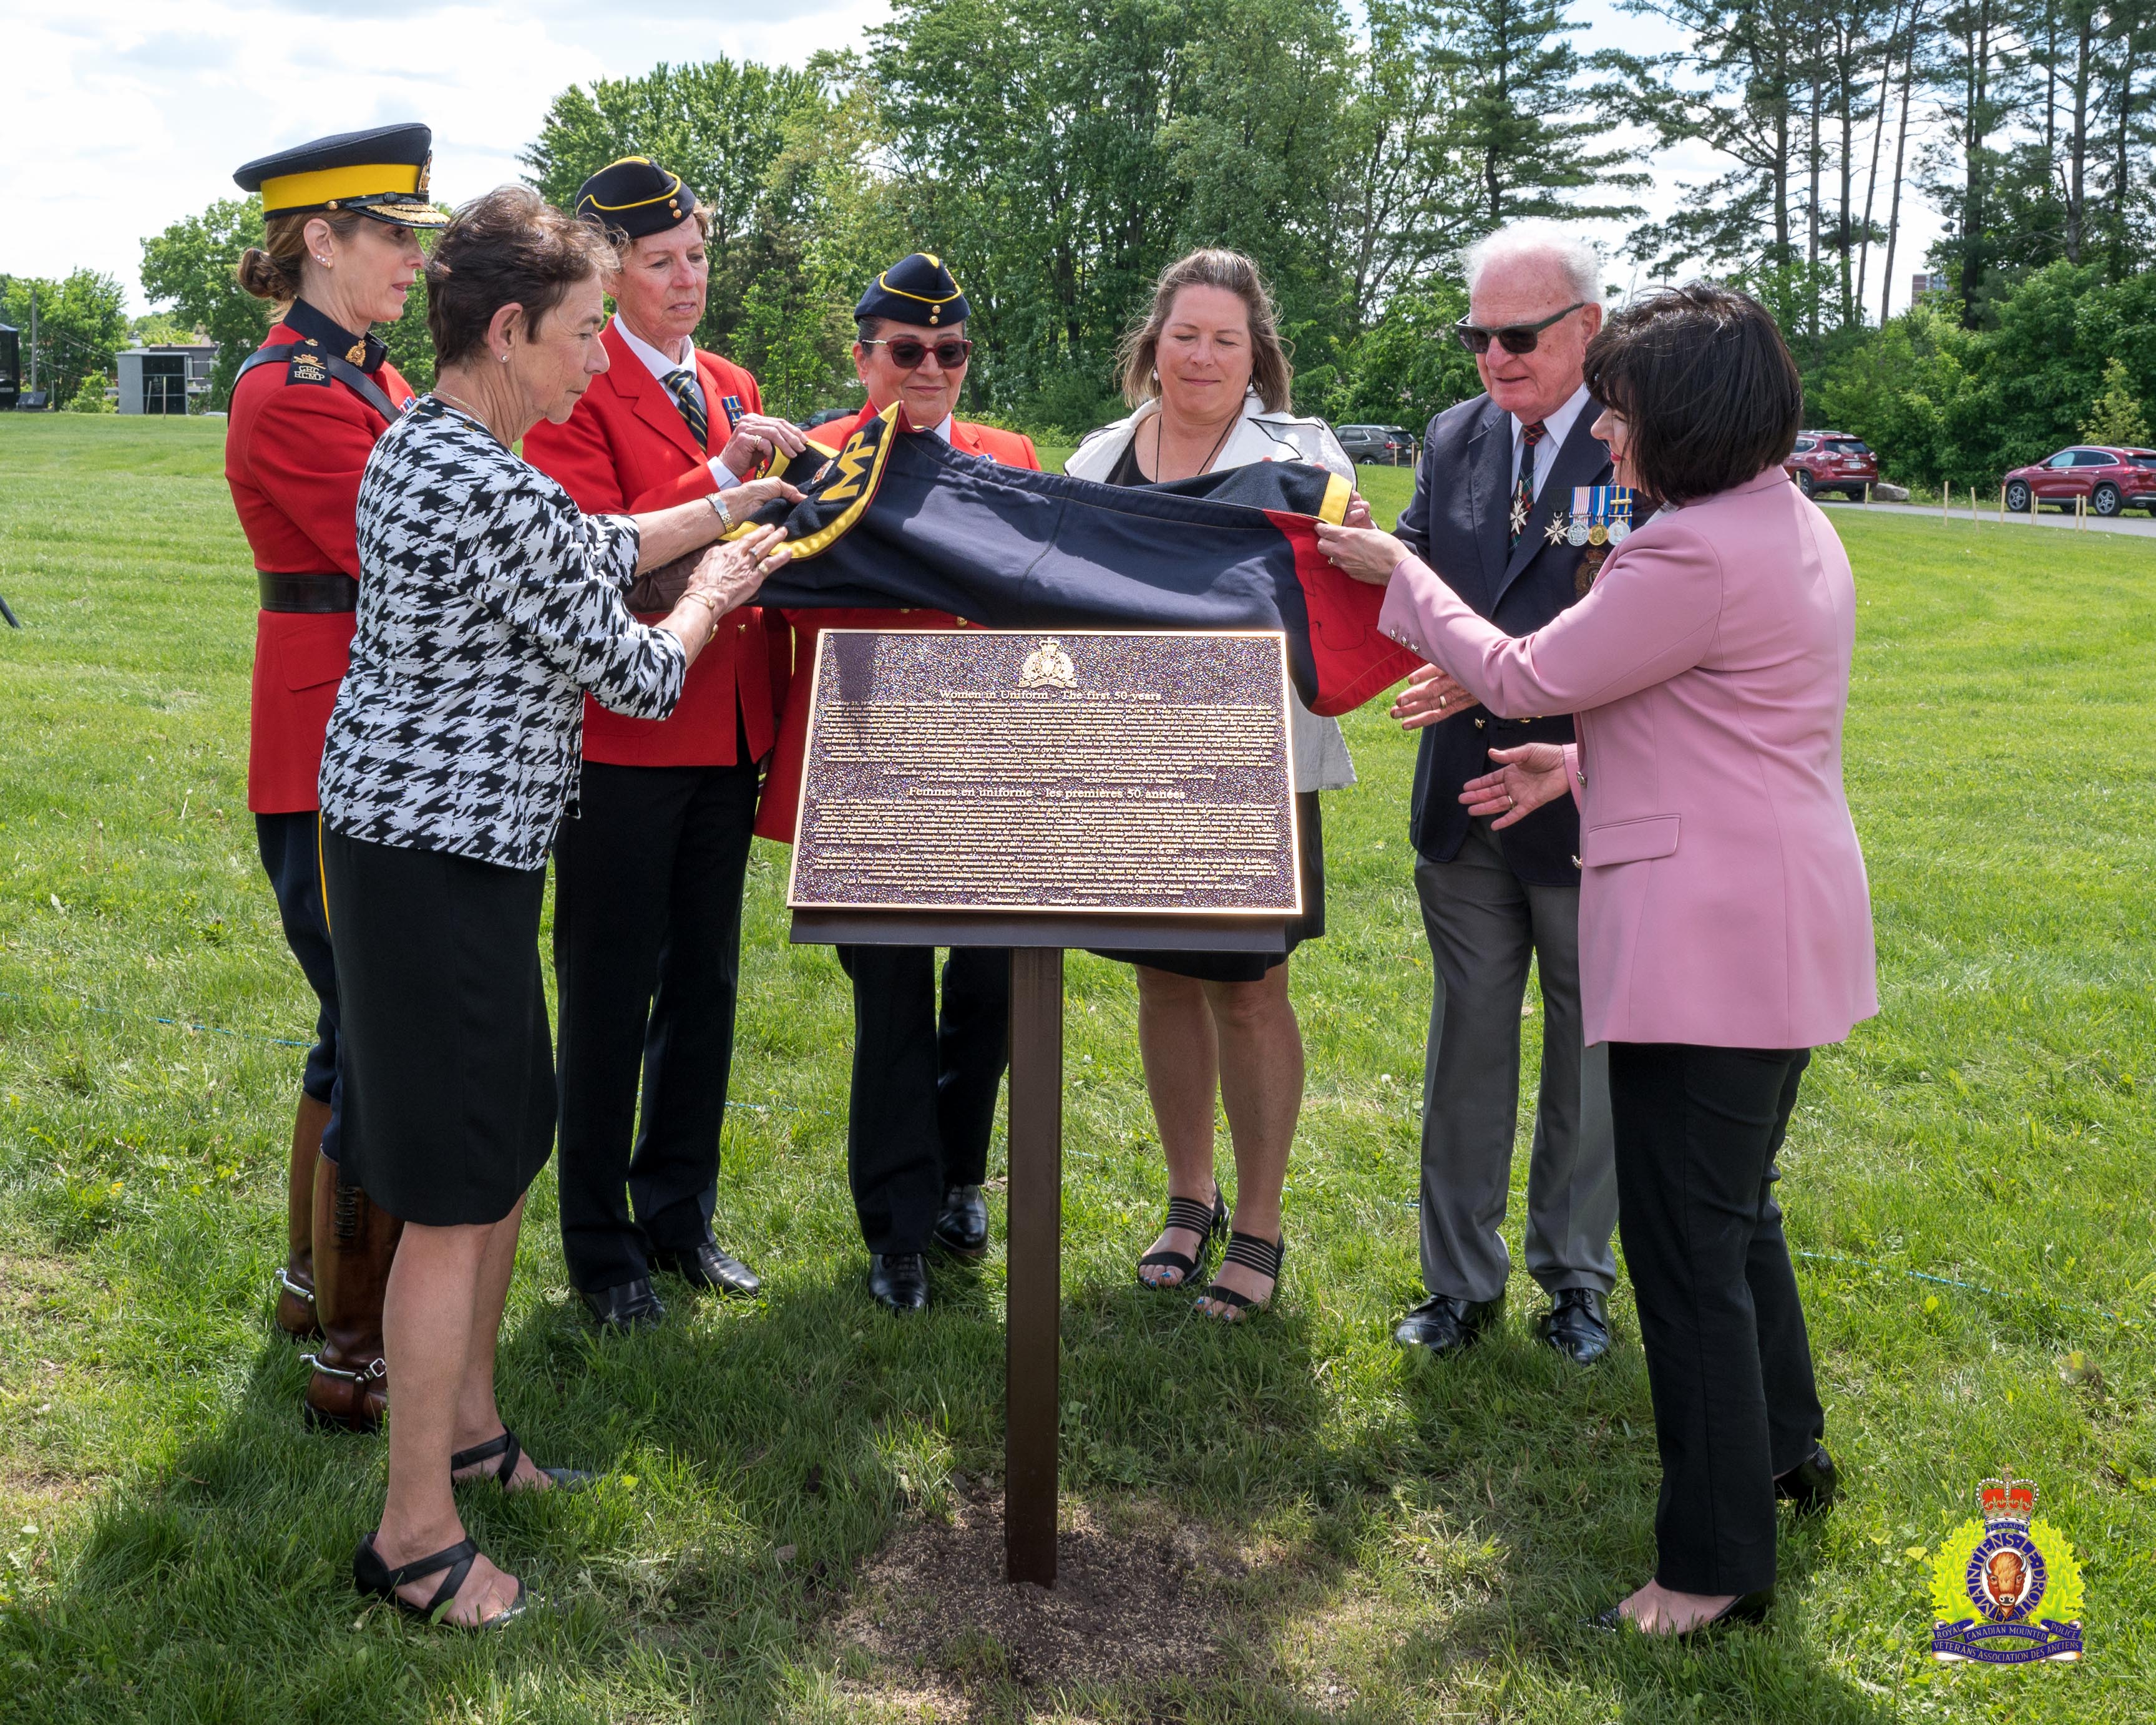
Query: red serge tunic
[[294, 447], [627, 450], [779, 807]]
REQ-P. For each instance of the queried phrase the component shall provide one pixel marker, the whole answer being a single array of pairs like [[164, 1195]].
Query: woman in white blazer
[[1209, 379]]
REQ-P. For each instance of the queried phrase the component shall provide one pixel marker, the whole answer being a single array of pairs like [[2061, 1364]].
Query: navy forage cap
[[634, 196], [380, 173], [916, 289]]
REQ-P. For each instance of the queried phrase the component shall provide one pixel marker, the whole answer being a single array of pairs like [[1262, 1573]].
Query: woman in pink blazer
[[1725, 922]]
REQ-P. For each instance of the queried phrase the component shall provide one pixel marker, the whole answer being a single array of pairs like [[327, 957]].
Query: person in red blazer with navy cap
[[648, 881], [341, 218], [924, 1087]]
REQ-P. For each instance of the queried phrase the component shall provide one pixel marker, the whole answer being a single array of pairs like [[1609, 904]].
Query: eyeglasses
[[1514, 338], [907, 354]]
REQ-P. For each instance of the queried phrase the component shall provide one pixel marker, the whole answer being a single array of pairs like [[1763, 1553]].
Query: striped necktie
[[1523, 498], [681, 384]]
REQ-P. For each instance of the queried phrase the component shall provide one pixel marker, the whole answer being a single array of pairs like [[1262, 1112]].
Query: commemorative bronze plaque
[[1084, 772]]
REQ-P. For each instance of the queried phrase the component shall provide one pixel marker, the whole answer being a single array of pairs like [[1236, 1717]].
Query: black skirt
[[1251, 967], [446, 1064]]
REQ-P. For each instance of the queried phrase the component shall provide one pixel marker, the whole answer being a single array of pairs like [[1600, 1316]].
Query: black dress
[[1242, 966]]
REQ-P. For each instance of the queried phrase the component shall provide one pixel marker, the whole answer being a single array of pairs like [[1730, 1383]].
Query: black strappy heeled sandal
[[1247, 1249], [1207, 1223], [376, 1579], [565, 1479]]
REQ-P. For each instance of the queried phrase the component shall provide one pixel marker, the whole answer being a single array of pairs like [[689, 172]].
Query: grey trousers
[[1484, 922]]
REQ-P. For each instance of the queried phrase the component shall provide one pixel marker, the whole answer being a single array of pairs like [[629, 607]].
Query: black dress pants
[[647, 963], [924, 1099], [290, 849], [1728, 1364]]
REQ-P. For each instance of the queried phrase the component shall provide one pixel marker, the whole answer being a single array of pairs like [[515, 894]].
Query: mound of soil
[[1134, 1603]]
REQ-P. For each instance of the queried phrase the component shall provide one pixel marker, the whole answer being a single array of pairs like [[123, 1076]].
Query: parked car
[[1376, 445], [2111, 479], [1832, 461], [824, 416]]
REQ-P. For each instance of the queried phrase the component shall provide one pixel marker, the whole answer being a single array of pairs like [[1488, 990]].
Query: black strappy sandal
[[1262, 1256], [565, 1479], [376, 1579], [1207, 1223]]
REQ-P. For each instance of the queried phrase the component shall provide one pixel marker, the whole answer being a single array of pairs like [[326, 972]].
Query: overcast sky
[[124, 116]]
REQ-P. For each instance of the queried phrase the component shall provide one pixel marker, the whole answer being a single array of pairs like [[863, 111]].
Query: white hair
[[1579, 260]]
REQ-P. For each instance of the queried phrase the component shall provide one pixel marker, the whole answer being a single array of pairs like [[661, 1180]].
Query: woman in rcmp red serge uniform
[[924, 1090], [341, 217], [648, 881]]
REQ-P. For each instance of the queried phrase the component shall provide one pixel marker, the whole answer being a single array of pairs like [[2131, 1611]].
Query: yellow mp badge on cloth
[[2006, 1590]]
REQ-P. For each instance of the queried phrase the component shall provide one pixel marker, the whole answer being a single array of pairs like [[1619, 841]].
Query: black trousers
[[1729, 1366], [291, 857], [924, 1099], [647, 964]]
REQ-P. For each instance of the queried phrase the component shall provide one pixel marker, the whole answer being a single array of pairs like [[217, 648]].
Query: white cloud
[[138, 111], [123, 117]]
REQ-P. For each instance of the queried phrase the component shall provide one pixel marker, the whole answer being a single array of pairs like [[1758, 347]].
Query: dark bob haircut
[[1702, 378], [509, 247]]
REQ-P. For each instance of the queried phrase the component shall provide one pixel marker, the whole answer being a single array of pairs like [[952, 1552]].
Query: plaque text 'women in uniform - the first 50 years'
[[987, 770]]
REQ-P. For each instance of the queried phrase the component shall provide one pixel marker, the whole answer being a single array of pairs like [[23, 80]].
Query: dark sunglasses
[[1514, 338], [907, 353]]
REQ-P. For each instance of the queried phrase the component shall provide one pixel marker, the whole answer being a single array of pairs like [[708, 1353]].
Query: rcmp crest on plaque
[[2006, 1590], [1601, 520], [1048, 666]]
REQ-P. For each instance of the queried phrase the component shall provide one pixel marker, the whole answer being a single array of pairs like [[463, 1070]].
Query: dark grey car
[[1376, 445]]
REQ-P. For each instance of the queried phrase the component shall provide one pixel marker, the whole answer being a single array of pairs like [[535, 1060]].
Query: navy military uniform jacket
[[1456, 522]]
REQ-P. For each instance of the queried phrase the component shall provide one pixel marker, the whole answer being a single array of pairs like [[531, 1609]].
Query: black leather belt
[[315, 594]]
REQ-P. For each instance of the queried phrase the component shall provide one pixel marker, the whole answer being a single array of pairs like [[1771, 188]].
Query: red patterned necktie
[[1524, 497]]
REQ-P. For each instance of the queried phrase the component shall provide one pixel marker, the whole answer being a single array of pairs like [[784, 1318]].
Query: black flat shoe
[[1577, 1325], [1262, 1256], [962, 1227], [1192, 1217], [1443, 1325], [1812, 1485], [631, 1306], [899, 1281], [1744, 1609], [565, 1479], [375, 1579], [711, 1270]]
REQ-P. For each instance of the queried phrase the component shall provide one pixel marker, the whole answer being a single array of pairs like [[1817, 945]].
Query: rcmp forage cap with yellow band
[[916, 289], [380, 173], [634, 196]]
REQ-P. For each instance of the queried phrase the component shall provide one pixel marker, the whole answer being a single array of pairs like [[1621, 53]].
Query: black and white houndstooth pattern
[[489, 604]]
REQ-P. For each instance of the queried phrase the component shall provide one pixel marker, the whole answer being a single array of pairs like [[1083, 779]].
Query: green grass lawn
[[1285, 1522]]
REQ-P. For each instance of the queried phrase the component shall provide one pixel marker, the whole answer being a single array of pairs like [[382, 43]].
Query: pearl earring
[[322, 261], [503, 357]]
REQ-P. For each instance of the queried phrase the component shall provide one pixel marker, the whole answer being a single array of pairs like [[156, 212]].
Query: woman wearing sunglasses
[[1208, 376]]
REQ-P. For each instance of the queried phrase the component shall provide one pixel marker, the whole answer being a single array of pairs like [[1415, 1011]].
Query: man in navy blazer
[[1495, 471]]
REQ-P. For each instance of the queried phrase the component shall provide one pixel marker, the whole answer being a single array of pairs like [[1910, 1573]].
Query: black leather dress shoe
[[1745, 1608], [963, 1226], [708, 1267], [1577, 1325], [899, 1281], [1444, 1325], [631, 1306], [1812, 1485]]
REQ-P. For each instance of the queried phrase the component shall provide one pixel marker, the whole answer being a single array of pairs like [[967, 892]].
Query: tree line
[[1059, 151]]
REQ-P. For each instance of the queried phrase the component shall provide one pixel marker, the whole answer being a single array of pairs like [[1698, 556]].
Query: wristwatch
[[717, 500]]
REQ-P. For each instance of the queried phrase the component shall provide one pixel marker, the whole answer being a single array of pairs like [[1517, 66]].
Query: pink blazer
[[1722, 897]]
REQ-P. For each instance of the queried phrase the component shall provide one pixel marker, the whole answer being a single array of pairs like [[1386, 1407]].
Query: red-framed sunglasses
[[907, 353]]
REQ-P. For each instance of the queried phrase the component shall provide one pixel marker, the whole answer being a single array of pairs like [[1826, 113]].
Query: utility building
[[165, 378]]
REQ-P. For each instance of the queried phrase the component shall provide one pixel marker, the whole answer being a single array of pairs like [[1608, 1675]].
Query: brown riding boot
[[355, 1242], [295, 1281]]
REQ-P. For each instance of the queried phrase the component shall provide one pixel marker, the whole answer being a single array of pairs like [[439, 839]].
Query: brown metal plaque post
[[1032, 1330]]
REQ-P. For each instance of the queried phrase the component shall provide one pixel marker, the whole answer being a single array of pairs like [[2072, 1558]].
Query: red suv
[[1832, 461], [2112, 479]]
